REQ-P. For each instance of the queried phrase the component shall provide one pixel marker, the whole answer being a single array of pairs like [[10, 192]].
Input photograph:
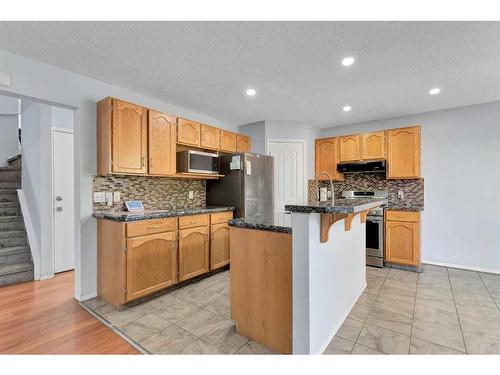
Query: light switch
[[99, 197], [116, 196], [109, 198]]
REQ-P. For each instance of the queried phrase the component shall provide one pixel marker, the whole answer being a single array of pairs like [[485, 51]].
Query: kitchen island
[[292, 288]]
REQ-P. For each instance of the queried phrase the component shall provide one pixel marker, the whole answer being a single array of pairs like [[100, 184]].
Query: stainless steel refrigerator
[[247, 185]]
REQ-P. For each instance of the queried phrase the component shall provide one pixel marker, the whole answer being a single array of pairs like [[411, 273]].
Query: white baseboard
[[30, 231], [86, 297], [463, 267], [339, 324]]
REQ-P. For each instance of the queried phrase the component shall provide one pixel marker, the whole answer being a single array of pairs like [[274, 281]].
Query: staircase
[[16, 265]]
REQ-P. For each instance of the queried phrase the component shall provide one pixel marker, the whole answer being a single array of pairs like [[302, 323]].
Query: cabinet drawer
[[193, 221], [141, 228], [410, 216], [221, 217]]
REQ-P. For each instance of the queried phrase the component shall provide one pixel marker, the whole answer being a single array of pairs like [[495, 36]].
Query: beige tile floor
[[439, 311]]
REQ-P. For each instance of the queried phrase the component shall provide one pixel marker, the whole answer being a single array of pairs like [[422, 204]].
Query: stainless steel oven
[[374, 226], [191, 161], [375, 240]]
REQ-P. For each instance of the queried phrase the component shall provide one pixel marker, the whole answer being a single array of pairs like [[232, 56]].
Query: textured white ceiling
[[294, 66]]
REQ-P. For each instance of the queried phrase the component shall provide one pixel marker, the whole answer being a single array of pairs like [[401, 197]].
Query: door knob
[[59, 198], [59, 209]]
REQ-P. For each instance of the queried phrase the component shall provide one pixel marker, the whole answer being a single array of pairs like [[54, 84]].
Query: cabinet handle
[[154, 227], [151, 162], [143, 162]]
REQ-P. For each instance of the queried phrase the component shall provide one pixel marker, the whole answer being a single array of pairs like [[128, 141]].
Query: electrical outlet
[[401, 194], [99, 197], [109, 198], [116, 196], [191, 194]]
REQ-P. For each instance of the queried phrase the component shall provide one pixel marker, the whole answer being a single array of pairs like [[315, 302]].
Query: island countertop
[[259, 224], [340, 206], [126, 216]]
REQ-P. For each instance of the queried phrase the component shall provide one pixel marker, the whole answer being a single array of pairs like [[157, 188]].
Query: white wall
[[37, 178], [34, 79], [9, 141], [257, 131], [461, 169]]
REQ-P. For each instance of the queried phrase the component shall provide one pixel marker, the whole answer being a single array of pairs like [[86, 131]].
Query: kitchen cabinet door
[[373, 146], [161, 144], [210, 137], [151, 263], [327, 158], [227, 141], [188, 132], [129, 138], [402, 242], [350, 148], [403, 152], [219, 246], [242, 143], [193, 252]]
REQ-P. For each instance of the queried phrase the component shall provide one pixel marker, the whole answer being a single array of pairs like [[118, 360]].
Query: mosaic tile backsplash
[[154, 192], [413, 189]]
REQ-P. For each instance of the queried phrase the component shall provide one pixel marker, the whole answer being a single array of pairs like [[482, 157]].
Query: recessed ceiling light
[[348, 61], [251, 92], [435, 91], [346, 108]]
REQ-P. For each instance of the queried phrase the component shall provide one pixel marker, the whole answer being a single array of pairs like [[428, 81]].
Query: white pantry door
[[64, 200], [289, 176]]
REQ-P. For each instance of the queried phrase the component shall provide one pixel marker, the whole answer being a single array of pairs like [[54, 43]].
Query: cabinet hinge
[[111, 162], [125, 249], [178, 273], [125, 291]]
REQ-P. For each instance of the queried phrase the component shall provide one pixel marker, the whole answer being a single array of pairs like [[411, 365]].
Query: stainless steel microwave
[[191, 161]]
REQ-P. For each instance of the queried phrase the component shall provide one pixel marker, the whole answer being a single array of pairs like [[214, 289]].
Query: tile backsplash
[[154, 192], [413, 189]]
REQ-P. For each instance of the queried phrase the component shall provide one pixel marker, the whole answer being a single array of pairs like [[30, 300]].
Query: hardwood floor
[[42, 317]]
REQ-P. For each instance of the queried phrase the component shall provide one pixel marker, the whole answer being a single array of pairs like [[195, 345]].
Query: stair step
[[8, 226], [9, 269], [8, 196], [10, 175], [12, 233], [13, 241], [10, 184], [9, 209], [6, 251], [16, 273], [15, 258], [8, 219]]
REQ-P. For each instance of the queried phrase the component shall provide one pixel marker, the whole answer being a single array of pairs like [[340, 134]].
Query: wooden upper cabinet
[[188, 132], [151, 263], [193, 252], [402, 238], [350, 148], [219, 246], [161, 140], [242, 143], [373, 146], [121, 137], [403, 152], [210, 137], [327, 158], [227, 141]]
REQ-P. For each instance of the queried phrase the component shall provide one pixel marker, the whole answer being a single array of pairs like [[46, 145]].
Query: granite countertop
[[156, 214], [259, 224], [340, 206], [396, 207]]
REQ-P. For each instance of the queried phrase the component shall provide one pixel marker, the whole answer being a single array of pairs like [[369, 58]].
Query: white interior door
[[64, 201], [289, 176]]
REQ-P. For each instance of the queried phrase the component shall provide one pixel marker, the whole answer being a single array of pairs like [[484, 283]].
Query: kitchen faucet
[[331, 184]]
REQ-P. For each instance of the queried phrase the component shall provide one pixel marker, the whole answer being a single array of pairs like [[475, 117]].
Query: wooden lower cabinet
[[193, 252], [138, 258], [151, 263], [219, 246], [402, 238]]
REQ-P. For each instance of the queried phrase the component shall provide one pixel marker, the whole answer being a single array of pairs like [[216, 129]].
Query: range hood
[[362, 167]]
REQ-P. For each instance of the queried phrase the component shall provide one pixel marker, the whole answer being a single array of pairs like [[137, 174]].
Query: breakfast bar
[[297, 284]]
